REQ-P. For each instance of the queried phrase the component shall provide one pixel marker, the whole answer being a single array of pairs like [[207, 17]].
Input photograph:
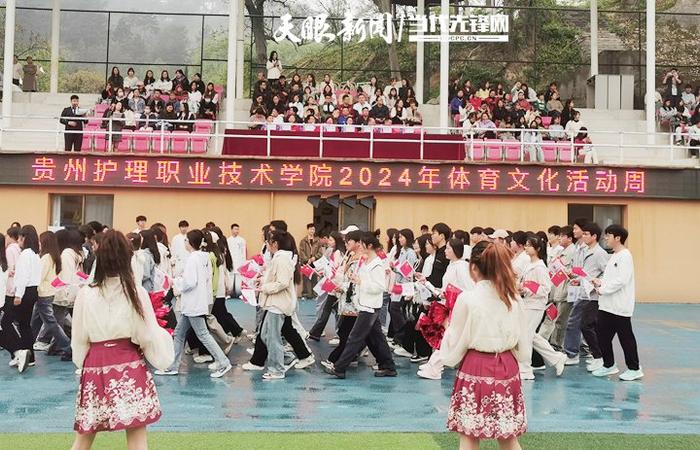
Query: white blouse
[[105, 313], [27, 271], [457, 274], [538, 273], [481, 321]]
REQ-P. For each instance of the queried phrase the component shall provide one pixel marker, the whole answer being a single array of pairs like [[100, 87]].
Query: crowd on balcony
[[296, 104], [679, 111]]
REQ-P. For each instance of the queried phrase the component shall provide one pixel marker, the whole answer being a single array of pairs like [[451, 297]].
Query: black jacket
[[66, 116], [439, 267]]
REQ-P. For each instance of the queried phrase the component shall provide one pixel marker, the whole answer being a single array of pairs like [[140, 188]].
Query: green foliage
[[558, 52], [81, 81]]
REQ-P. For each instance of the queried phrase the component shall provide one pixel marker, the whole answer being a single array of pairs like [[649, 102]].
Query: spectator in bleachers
[[499, 112], [197, 78], [282, 88], [115, 78], [556, 131], [554, 104], [398, 113], [277, 103], [311, 107], [149, 80], [345, 112], [328, 90], [136, 103], [156, 102], [274, 69], [683, 110], [310, 82], [186, 117], [257, 120], [507, 126], [680, 136], [375, 95], [30, 73], [673, 86], [178, 96], [454, 88], [457, 103], [195, 96], [485, 127], [148, 119], [370, 88], [107, 93], [207, 108], [517, 87], [532, 139], [258, 103], [688, 97], [166, 118], [523, 102], [327, 83], [380, 111], [310, 122], [500, 92], [483, 91], [551, 90], [116, 123], [131, 80], [328, 105], [181, 81], [361, 103], [120, 97], [363, 117], [296, 81], [469, 125], [296, 103], [403, 90], [129, 119], [669, 114], [574, 125], [491, 100], [309, 93], [530, 94], [349, 125], [694, 138], [584, 147], [568, 113], [393, 84], [17, 71], [539, 105], [165, 85], [413, 116]]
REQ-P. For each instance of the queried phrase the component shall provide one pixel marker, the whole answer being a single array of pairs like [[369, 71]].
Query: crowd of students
[[533, 299], [304, 104], [679, 109]]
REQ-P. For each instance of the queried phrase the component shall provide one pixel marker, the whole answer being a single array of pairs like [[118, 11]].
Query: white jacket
[[195, 285], [538, 273], [372, 285], [457, 274], [617, 294], [3, 286], [70, 265], [27, 271]]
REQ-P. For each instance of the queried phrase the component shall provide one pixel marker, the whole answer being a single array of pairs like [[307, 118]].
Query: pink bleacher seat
[[100, 109], [457, 120], [564, 151], [203, 126], [100, 141], [546, 121], [141, 141], [550, 151], [160, 145], [89, 137], [199, 144], [94, 122], [478, 150], [124, 144], [178, 141], [512, 150], [494, 149]]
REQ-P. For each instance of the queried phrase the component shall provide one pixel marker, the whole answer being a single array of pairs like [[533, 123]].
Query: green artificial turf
[[351, 441]]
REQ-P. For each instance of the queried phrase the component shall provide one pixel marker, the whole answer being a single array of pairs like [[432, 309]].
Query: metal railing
[[611, 147]]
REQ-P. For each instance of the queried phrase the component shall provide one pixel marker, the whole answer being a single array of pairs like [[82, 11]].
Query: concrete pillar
[[240, 64], [444, 64], [420, 59], [594, 38], [651, 70], [55, 39], [10, 10], [232, 59]]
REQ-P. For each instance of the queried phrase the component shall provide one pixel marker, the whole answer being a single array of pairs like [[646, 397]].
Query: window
[[76, 210], [603, 215]]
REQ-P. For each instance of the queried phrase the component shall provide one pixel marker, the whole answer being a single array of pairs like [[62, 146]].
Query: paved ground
[[666, 401]]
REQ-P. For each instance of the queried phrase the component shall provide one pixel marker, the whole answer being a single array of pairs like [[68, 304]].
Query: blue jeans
[[271, 334], [43, 314], [199, 325], [572, 340]]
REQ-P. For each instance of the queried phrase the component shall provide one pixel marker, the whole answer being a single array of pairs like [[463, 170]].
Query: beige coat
[[277, 288]]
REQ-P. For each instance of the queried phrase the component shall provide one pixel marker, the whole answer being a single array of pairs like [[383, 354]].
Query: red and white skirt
[[487, 400], [116, 390]]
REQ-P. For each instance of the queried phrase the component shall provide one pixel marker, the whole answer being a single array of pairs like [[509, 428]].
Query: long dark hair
[[540, 245], [285, 241], [31, 239], [390, 234], [223, 247], [339, 242], [149, 242], [211, 247], [71, 239], [49, 246], [493, 261], [3, 257], [113, 259]]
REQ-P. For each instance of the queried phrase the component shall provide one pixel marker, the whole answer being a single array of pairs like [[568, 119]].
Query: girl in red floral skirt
[[483, 338], [114, 329]]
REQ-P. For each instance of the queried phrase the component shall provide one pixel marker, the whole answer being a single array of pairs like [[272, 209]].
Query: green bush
[[81, 81]]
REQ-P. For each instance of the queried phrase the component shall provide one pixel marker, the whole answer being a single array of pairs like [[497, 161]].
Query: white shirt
[[237, 247], [17, 71], [538, 273], [274, 69], [573, 127], [179, 253], [360, 106], [428, 265], [617, 294], [12, 253], [195, 285], [520, 263], [106, 313], [27, 271], [131, 82], [372, 285], [457, 274]]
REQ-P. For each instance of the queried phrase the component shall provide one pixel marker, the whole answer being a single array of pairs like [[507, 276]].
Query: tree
[[385, 7], [256, 11]]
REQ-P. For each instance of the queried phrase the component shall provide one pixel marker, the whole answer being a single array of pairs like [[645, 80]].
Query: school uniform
[[555, 330], [26, 282]]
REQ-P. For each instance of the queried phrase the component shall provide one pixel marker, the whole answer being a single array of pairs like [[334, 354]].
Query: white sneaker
[[560, 365], [13, 362], [22, 359], [221, 371], [542, 367], [240, 337], [334, 342], [527, 376], [166, 372], [572, 361], [252, 367], [400, 351], [291, 364], [78, 372], [273, 376], [250, 350], [41, 346], [288, 348], [306, 362], [631, 375], [423, 366], [327, 364], [430, 374], [365, 353], [594, 364], [213, 366], [201, 359], [606, 371]]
